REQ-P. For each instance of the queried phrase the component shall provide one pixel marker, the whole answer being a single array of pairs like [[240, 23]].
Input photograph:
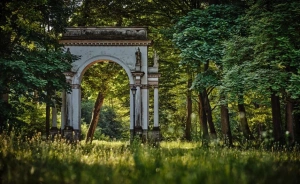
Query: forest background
[[230, 69]]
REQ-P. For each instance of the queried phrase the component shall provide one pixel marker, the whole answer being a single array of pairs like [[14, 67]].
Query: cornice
[[106, 42]]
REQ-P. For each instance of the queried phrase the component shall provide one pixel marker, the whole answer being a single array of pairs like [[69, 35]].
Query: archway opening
[[105, 101]]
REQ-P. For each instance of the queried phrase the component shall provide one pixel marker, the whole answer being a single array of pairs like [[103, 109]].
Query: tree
[[32, 61], [267, 57], [199, 36]]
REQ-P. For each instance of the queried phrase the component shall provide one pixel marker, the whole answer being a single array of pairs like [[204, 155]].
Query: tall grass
[[38, 161]]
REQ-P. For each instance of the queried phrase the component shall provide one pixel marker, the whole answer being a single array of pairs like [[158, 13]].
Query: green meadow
[[38, 161]]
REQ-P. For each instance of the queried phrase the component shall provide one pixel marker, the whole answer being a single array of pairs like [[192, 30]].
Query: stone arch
[[127, 46], [85, 65]]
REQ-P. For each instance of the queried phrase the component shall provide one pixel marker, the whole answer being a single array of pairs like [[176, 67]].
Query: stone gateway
[[127, 46]]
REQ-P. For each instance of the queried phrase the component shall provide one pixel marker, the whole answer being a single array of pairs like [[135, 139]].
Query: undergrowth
[[38, 161]]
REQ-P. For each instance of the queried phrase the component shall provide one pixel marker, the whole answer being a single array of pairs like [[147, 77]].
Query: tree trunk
[[95, 117], [86, 13], [48, 113], [297, 122], [244, 122], [188, 124], [3, 114], [289, 121], [207, 108], [225, 124], [203, 118], [276, 118], [47, 120]]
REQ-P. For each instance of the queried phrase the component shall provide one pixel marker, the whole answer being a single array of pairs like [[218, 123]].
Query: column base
[[139, 133], [145, 136], [54, 131], [68, 133], [154, 135], [77, 134]]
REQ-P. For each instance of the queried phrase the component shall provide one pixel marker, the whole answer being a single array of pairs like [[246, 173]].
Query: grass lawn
[[38, 161]]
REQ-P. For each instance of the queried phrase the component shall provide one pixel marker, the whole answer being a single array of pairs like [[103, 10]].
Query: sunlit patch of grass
[[38, 161]]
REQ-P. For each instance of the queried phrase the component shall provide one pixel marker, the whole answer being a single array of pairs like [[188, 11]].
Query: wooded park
[[227, 73]]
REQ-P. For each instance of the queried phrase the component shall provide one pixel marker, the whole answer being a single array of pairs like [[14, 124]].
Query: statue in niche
[[155, 60], [138, 57]]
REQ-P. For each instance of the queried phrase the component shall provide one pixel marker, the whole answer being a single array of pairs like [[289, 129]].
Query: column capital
[[69, 75], [136, 85], [144, 86], [76, 86], [138, 73], [154, 85]]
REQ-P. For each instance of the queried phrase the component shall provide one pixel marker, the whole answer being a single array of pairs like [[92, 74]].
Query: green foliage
[[34, 70], [264, 59], [86, 110], [200, 34], [110, 125], [116, 162], [34, 74], [98, 135], [267, 57], [31, 60], [205, 80], [111, 80]]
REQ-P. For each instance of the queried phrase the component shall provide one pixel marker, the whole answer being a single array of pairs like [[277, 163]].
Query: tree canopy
[[228, 66]]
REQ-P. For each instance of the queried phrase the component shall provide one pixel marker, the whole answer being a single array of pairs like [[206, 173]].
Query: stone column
[[145, 110], [156, 130], [54, 116], [76, 110], [138, 107], [54, 130], [156, 107], [153, 81], [63, 110], [131, 110], [68, 128], [138, 129], [69, 109]]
